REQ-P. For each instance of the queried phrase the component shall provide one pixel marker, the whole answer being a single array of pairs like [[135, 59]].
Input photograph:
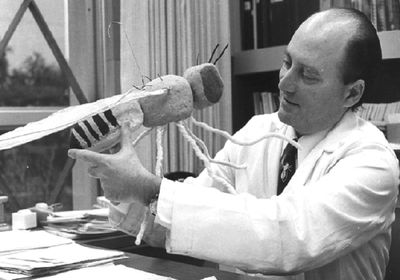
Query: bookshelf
[[258, 70], [249, 62]]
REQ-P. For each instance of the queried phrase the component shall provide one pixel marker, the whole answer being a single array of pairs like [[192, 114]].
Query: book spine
[[262, 23], [373, 13], [281, 22], [270, 102], [356, 4], [247, 24], [393, 11], [325, 4], [255, 23], [257, 103], [381, 15]]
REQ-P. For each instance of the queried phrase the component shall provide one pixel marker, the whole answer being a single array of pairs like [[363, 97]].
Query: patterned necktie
[[287, 166]]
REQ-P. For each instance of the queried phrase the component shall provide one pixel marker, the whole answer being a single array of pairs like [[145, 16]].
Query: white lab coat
[[331, 222]]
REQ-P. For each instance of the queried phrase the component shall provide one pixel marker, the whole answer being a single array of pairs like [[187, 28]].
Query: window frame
[[94, 60]]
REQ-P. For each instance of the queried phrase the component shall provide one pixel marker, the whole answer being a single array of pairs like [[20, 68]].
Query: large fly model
[[166, 99]]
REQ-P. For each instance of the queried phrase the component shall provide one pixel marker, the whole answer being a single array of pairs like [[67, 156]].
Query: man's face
[[312, 93]]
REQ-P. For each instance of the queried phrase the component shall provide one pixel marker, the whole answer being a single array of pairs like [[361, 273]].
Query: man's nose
[[287, 80]]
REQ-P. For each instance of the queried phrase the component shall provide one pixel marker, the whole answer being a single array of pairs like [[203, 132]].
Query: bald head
[[329, 22]]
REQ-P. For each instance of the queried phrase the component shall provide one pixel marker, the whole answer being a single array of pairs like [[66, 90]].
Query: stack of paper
[[20, 240], [107, 272], [79, 224], [38, 253], [52, 260]]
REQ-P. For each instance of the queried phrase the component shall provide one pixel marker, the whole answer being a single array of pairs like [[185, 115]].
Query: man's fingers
[[87, 155]]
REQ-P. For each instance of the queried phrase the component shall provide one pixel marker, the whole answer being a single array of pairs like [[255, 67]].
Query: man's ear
[[354, 92]]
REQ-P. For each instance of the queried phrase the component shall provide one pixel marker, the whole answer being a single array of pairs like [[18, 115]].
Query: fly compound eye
[[206, 84]]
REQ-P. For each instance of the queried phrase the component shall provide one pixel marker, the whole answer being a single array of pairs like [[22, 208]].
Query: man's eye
[[286, 63], [309, 78]]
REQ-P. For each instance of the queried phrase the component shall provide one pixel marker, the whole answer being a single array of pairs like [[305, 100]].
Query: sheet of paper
[[107, 272], [17, 240], [66, 216], [10, 276]]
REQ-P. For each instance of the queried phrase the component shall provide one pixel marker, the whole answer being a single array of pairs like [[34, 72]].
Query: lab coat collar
[[332, 140], [327, 140], [307, 143]]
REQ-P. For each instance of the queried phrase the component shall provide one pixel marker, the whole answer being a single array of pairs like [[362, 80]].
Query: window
[[32, 86]]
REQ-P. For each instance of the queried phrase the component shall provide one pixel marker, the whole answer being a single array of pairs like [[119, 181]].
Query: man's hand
[[122, 175]]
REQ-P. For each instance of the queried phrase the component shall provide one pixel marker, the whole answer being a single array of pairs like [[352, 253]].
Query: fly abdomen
[[91, 131], [110, 118], [102, 131], [79, 139]]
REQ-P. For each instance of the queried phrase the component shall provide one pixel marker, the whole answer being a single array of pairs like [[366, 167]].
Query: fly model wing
[[67, 117]]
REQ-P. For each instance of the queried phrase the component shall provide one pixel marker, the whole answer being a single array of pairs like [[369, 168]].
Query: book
[[285, 16], [342, 3], [269, 102], [381, 15], [257, 103], [393, 14], [374, 13], [281, 22], [267, 23], [262, 9], [379, 113], [357, 4], [247, 24], [324, 4], [265, 102]]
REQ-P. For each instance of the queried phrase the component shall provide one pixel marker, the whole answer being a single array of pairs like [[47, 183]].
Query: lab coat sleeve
[[296, 231], [127, 217]]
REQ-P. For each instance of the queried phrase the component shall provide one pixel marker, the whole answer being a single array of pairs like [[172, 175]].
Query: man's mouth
[[291, 103]]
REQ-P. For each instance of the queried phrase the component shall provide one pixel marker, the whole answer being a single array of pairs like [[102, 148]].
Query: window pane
[[32, 173], [29, 73]]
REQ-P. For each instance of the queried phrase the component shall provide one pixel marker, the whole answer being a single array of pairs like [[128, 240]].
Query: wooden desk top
[[181, 271]]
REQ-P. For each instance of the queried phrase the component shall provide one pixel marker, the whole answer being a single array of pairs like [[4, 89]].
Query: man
[[332, 220]]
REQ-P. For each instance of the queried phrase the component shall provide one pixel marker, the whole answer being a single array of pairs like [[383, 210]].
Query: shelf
[[258, 60], [270, 59], [390, 44]]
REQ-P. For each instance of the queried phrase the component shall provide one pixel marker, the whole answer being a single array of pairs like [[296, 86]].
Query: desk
[[175, 266], [181, 271]]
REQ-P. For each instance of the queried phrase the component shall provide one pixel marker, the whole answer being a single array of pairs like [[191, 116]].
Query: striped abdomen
[[89, 132], [102, 131]]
